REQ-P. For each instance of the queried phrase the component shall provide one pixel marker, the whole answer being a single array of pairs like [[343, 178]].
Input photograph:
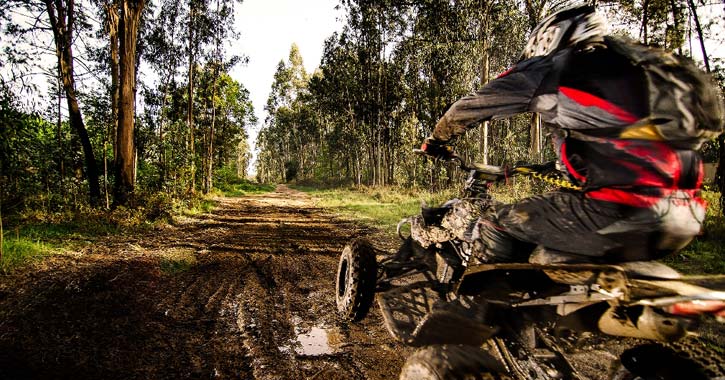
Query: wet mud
[[257, 304]]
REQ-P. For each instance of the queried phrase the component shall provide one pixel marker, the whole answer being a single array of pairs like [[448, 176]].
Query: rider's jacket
[[595, 96]]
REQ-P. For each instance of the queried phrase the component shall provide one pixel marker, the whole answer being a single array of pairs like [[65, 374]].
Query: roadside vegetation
[[375, 206], [32, 235]]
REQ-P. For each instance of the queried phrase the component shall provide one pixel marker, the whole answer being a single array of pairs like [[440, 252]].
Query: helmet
[[565, 28]]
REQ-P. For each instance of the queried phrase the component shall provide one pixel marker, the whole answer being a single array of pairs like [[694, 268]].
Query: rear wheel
[[356, 276], [451, 362]]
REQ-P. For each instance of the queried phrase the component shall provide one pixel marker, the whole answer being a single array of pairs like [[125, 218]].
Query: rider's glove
[[437, 149]]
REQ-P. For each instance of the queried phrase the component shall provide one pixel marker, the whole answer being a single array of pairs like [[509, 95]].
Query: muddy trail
[[257, 304]]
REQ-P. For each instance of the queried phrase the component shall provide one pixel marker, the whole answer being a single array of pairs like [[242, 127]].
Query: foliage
[[30, 160], [386, 78], [43, 157], [18, 252]]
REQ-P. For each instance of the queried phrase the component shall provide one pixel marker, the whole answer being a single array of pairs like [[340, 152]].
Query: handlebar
[[493, 172]]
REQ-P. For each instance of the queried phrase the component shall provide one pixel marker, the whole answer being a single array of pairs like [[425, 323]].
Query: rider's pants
[[591, 230]]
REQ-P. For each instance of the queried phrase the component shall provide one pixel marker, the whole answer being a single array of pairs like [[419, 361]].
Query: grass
[[385, 207], [197, 207], [68, 230], [37, 234], [17, 252], [177, 261], [380, 207], [244, 188]]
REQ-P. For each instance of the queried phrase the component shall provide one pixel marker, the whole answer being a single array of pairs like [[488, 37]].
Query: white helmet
[[565, 28]]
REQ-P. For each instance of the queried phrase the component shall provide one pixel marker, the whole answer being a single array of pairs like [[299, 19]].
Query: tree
[[129, 17], [61, 14]]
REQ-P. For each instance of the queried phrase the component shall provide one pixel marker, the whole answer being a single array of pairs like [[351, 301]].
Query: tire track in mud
[[262, 284]]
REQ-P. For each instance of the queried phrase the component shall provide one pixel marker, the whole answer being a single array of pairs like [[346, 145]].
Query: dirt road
[[257, 304]]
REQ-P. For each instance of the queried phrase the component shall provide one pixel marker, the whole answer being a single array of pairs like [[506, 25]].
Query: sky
[[268, 29]]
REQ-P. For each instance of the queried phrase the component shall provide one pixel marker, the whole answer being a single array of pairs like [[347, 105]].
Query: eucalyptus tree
[[199, 32], [222, 25], [62, 17], [228, 114], [129, 17], [388, 76], [165, 54], [282, 134], [451, 49], [26, 141]]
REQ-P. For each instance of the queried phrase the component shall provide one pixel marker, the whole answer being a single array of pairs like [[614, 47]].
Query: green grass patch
[[380, 207], [243, 187], [18, 252], [177, 261], [197, 207], [230, 184], [71, 230]]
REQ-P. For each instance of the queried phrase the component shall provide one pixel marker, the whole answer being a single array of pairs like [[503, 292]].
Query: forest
[[108, 103], [388, 75]]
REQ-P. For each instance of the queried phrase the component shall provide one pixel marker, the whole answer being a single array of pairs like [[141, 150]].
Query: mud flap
[[417, 315]]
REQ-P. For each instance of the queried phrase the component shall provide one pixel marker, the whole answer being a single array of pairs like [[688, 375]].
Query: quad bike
[[511, 320]]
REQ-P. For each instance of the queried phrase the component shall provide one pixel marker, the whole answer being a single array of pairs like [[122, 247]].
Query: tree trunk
[[112, 26], [190, 106], [61, 20], [693, 10], [720, 172], [645, 21], [61, 164], [210, 146], [676, 21], [485, 68], [112, 12], [130, 16], [535, 128]]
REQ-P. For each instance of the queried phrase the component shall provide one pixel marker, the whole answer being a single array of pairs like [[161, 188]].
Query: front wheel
[[356, 276], [451, 362]]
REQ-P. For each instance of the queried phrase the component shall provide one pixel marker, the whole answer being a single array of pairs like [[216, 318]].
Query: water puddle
[[316, 340]]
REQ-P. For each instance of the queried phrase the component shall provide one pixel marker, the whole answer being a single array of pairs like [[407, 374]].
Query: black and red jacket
[[595, 96]]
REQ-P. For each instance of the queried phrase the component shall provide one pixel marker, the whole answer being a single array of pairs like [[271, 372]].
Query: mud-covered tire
[[451, 362], [356, 276], [656, 362]]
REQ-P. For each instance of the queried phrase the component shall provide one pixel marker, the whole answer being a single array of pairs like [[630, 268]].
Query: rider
[[638, 169]]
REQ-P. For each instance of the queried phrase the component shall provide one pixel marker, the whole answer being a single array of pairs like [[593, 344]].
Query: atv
[[511, 320]]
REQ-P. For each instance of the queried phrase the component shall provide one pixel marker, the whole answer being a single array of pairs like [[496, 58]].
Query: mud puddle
[[316, 340]]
